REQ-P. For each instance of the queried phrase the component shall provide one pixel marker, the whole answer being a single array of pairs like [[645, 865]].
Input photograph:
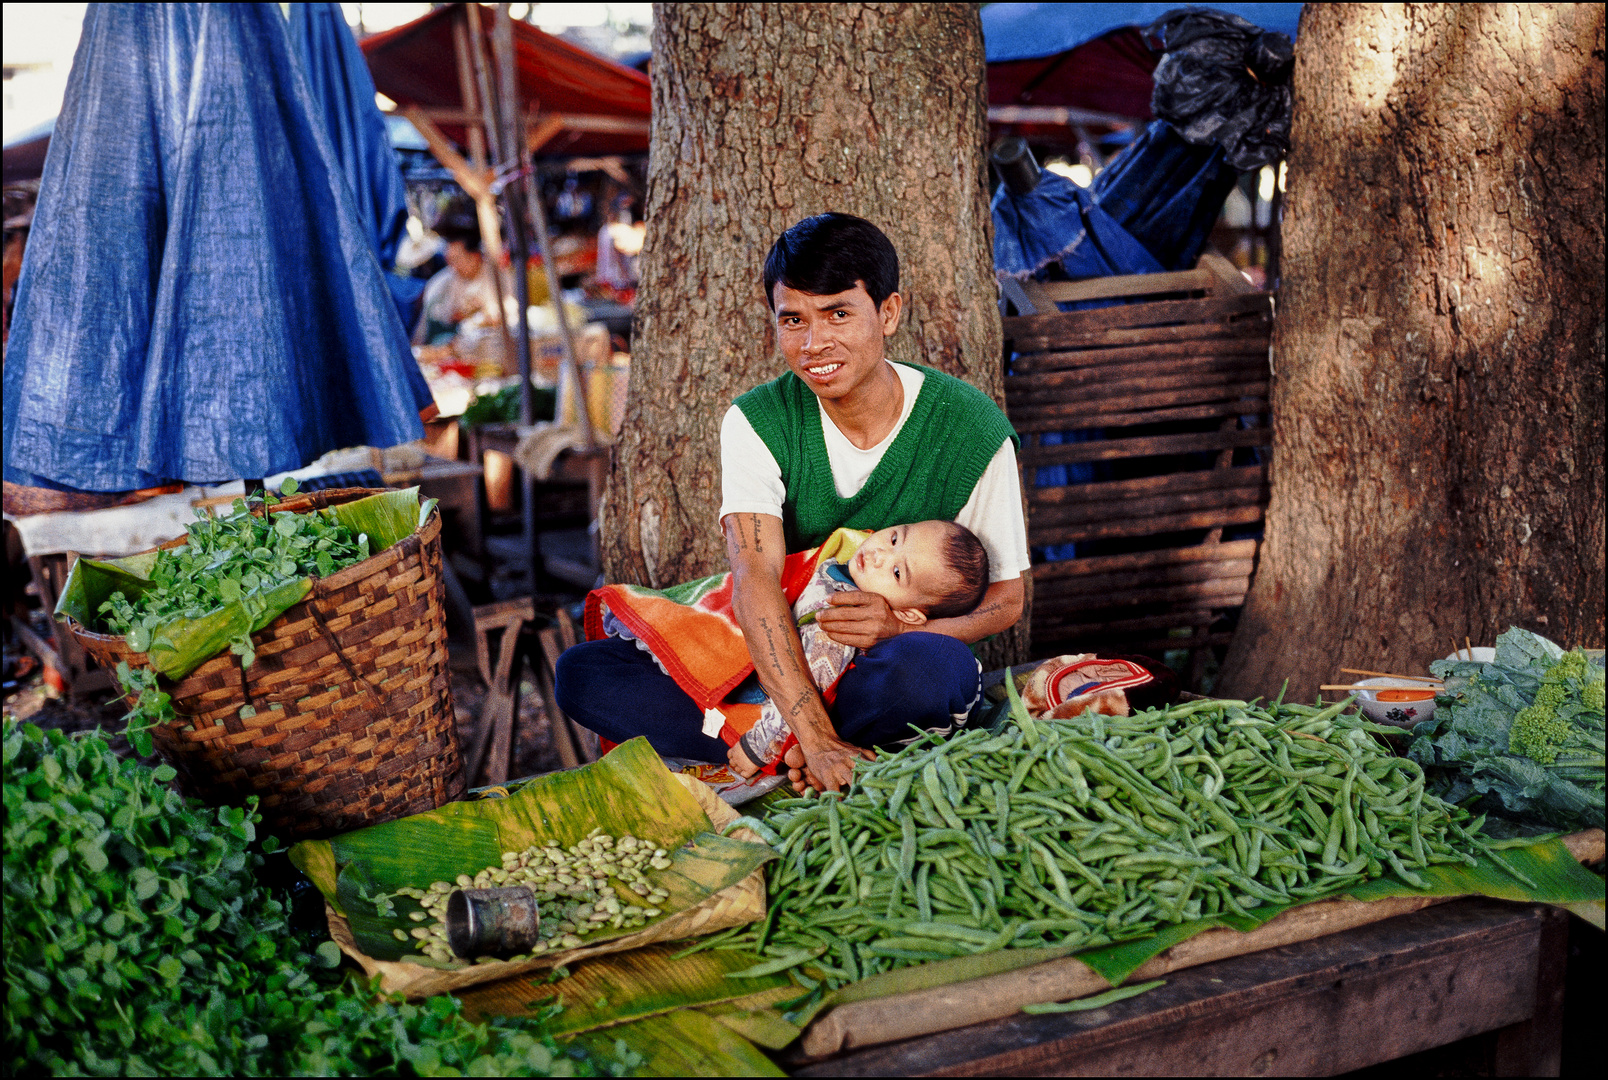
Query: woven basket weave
[[363, 731]]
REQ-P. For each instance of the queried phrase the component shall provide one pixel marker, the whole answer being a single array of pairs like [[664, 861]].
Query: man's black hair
[[465, 234], [827, 254], [967, 559]]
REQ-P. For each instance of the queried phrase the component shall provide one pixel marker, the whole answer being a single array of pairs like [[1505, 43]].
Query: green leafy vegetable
[[233, 575], [1522, 734], [139, 941], [503, 406], [239, 556]]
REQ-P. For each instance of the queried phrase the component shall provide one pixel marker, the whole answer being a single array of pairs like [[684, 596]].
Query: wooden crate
[[1179, 369]]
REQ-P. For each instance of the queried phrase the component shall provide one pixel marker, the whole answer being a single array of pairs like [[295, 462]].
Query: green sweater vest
[[953, 432]]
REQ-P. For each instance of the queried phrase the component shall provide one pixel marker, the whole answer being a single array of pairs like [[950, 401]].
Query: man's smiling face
[[834, 343]]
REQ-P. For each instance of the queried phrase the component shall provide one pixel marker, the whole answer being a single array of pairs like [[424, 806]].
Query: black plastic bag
[[1225, 80]]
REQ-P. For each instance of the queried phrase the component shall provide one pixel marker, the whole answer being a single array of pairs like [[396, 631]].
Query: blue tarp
[[200, 300], [1151, 210], [1029, 31], [1058, 220], [338, 76], [1166, 193], [340, 82]]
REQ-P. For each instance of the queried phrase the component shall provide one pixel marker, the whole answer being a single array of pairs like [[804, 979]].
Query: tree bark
[[1438, 403], [764, 114]]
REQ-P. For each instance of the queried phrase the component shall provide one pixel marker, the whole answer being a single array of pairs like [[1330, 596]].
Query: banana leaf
[[387, 516], [685, 1043], [759, 1019], [181, 645], [628, 791], [606, 990], [1589, 910]]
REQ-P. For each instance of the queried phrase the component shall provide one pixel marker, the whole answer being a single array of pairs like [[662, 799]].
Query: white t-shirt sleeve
[[750, 478], [994, 515]]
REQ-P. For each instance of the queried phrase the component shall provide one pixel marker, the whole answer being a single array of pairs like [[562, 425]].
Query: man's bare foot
[[737, 758]]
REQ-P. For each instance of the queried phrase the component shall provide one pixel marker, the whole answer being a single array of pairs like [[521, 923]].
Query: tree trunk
[[1438, 403], [764, 114]]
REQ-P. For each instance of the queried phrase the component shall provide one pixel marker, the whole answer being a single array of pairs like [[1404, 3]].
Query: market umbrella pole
[[498, 113], [485, 201]]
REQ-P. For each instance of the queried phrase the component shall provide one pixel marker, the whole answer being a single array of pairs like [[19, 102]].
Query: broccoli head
[[1537, 733], [1571, 665], [1591, 696], [1551, 695]]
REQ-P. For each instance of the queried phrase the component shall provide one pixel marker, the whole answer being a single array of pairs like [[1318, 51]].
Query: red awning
[[605, 105], [1109, 75]]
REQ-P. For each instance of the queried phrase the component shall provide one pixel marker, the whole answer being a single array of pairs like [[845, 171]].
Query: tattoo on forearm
[[757, 545]]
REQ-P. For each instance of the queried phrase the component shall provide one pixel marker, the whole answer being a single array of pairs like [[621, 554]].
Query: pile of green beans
[[1092, 830]]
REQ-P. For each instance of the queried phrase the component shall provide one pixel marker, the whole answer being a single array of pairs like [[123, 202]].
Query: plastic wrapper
[[1224, 80]]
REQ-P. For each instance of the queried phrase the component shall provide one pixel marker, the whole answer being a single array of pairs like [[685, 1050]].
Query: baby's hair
[[967, 559]]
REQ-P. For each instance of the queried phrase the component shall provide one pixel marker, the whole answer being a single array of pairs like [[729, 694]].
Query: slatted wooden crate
[[1180, 369]]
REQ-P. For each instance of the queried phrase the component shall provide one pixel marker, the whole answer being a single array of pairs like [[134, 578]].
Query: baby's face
[[904, 565]]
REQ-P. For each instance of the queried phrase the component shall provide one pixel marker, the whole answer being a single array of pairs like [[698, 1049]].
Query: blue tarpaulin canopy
[[1029, 31], [1059, 221], [201, 298], [338, 76]]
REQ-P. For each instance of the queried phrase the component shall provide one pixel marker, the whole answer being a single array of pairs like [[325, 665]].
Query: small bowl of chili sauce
[[1396, 701]]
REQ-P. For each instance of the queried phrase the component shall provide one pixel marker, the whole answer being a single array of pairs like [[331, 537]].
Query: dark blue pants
[[921, 679]]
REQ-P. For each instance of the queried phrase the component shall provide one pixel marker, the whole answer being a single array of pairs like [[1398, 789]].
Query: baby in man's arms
[[924, 570]]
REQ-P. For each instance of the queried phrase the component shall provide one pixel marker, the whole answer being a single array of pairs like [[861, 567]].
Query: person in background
[[619, 245], [465, 287]]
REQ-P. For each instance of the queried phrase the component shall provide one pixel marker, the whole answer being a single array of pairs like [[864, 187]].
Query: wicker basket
[[364, 730]]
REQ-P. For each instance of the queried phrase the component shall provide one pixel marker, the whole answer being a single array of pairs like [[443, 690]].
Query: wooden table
[[1345, 1001]]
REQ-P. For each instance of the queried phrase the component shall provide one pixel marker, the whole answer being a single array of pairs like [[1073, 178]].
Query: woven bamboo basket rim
[[736, 904], [193, 683]]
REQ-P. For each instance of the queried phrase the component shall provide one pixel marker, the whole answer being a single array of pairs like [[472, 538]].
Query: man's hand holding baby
[[861, 619]]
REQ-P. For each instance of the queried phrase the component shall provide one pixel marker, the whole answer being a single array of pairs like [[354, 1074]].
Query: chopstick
[[1470, 645], [1426, 689], [1388, 675]]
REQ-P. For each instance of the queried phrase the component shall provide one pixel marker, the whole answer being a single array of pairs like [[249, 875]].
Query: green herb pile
[[139, 941], [1523, 733], [503, 406], [239, 557], [1093, 830], [236, 557]]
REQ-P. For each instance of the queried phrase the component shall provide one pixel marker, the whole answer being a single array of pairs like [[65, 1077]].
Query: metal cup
[[492, 922]]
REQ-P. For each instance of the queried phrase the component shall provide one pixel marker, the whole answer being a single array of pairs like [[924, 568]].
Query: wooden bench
[[1180, 370], [1332, 1004]]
